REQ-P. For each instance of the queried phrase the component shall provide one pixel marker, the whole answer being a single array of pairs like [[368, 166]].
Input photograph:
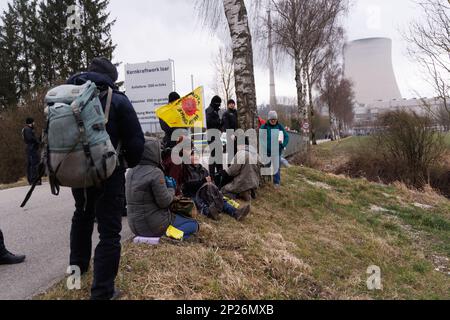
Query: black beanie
[[173, 96], [29, 121], [104, 66], [216, 101]]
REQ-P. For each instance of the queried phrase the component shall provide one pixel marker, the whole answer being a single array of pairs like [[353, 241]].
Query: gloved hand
[[171, 183]]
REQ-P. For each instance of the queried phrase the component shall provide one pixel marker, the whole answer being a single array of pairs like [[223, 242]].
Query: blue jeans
[[203, 207], [188, 226], [277, 177]]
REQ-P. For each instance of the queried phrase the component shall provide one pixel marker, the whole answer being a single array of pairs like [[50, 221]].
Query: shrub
[[405, 148], [408, 140]]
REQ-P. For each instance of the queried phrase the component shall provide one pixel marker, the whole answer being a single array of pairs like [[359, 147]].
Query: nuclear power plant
[[368, 63]]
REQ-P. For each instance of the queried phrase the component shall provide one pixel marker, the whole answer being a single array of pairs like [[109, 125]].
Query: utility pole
[[273, 96], [192, 82]]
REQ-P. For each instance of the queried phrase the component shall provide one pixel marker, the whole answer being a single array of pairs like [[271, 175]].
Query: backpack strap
[[108, 104], [41, 173]]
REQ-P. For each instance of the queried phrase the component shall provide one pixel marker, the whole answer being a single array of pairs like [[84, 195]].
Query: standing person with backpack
[[105, 203], [32, 150], [213, 121]]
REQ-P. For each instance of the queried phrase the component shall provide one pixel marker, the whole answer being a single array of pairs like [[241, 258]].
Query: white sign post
[[148, 86]]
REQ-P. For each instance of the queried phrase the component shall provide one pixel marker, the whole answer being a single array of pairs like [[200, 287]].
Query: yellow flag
[[187, 112]]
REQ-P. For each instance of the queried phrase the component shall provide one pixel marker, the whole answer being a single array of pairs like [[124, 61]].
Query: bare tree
[[429, 45], [224, 78], [306, 31], [241, 42], [336, 92]]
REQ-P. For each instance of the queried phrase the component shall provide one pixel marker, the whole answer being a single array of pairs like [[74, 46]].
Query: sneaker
[[243, 212], [277, 186], [214, 213], [10, 258], [246, 196]]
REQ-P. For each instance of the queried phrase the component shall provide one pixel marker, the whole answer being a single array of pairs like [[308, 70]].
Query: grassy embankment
[[312, 239]]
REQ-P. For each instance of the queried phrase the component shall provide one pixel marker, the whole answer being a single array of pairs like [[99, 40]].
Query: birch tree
[[235, 13]]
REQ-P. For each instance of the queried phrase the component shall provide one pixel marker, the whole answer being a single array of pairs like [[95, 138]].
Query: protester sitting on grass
[[198, 185], [149, 196], [242, 178]]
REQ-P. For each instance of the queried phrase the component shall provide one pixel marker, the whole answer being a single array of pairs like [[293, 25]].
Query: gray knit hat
[[273, 115]]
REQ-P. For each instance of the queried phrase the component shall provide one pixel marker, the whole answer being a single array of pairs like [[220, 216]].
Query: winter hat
[[273, 115], [216, 101], [173, 96], [104, 66], [231, 101], [29, 121]]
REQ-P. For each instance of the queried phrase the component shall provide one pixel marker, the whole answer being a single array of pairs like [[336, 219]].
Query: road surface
[[41, 231]]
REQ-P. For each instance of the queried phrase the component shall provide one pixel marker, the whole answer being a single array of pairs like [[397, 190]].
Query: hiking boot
[[214, 213], [117, 294], [10, 258], [246, 196], [241, 213]]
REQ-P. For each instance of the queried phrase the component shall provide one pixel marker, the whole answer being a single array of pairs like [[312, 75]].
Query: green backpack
[[77, 150]]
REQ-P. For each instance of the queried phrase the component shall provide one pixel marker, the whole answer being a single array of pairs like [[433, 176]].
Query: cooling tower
[[368, 63]]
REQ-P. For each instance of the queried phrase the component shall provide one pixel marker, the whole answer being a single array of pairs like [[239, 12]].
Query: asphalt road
[[41, 231]]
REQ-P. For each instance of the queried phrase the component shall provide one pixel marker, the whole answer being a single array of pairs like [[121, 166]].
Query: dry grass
[[301, 242]]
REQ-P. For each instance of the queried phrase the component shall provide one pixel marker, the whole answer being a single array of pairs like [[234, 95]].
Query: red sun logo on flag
[[189, 106]]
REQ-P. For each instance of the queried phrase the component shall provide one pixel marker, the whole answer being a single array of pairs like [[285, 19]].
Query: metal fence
[[296, 144]]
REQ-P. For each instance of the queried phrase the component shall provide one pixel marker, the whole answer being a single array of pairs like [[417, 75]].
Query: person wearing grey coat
[[243, 175], [149, 195]]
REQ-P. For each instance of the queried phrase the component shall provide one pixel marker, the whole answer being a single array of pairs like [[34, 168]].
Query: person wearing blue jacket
[[273, 127], [105, 203]]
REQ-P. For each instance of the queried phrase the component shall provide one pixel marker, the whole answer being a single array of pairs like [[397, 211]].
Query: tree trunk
[[302, 112], [311, 112], [241, 39]]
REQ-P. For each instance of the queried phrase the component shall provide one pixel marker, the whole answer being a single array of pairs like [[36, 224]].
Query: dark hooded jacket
[[123, 124], [148, 198], [213, 120]]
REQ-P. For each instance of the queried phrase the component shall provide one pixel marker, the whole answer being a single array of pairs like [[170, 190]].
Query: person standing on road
[[7, 257], [274, 128], [32, 150], [105, 203], [213, 121]]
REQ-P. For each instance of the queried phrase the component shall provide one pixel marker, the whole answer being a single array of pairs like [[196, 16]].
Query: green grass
[[312, 239], [447, 139]]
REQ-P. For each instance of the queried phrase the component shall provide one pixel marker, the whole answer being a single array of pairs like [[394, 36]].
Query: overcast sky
[[151, 30]]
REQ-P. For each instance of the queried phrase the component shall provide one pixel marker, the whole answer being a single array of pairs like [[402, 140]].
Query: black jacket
[[168, 131], [123, 124], [194, 177], [213, 120], [30, 139], [230, 120]]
